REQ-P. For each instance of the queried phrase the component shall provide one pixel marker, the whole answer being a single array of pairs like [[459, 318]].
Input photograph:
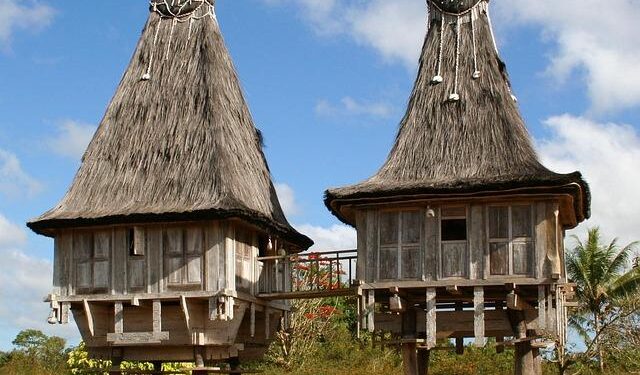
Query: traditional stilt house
[[460, 233], [157, 239]]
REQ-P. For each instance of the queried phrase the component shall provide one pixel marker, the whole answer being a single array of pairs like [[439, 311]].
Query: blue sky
[[327, 82]]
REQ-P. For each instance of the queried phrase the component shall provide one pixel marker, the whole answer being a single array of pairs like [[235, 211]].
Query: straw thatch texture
[[179, 146], [479, 143]]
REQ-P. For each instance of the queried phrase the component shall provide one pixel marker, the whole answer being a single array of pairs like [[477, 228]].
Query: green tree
[[35, 353], [603, 280]]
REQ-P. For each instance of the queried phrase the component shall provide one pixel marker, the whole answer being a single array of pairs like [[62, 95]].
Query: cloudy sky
[[327, 82]]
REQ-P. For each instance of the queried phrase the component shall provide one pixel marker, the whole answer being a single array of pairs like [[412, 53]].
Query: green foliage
[[35, 353], [604, 284]]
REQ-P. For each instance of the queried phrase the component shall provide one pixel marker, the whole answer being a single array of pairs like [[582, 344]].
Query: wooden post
[[459, 340], [118, 318], [410, 358], [199, 362], [499, 339], [523, 357], [423, 361], [478, 316], [430, 318], [157, 316], [371, 304]]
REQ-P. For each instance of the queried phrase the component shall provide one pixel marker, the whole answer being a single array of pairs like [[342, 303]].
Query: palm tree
[[603, 278]]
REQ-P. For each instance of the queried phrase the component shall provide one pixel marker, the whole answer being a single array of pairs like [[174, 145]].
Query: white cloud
[[335, 237], [393, 28], [24, 281], [10, 234], [71, 139], [287, 199], [351, 106], [14, 181], [592, 41], [608, 156], [593, 38], [22, 14]]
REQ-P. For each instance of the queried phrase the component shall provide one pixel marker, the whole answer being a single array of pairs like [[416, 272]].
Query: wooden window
[[453, 238], [400, 239], [244, 260], [510, 230], [136, 272], [137, 241], [183, 248], [92, 252]]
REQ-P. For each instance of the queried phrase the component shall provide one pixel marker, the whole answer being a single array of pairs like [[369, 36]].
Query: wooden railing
[[311, 271]]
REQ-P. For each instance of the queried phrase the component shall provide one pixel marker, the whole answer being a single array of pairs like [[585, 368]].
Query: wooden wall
[[474, 241], [118, 260]]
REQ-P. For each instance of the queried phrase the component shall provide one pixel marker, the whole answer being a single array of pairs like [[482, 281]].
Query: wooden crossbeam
[[185, 311], [516, 302], [454, 289], [89, 316]]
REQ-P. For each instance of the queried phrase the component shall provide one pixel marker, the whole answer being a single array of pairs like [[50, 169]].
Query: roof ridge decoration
[[177, 11], [456, 13]]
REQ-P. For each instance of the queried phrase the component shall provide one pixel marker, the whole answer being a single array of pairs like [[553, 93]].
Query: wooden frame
[[512, 240], [185, 237], [442, 243], [399, 245]]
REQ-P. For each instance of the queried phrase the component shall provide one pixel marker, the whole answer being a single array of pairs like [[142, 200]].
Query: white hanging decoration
[[476, 71], [454, 96], [269, 244], [438, 77], [178, 11]]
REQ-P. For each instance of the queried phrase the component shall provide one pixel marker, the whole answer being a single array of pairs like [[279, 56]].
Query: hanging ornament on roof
[[457, 13], [176, 11]]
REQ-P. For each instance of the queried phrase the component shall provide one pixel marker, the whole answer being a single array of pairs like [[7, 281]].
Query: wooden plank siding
[[506, 239]]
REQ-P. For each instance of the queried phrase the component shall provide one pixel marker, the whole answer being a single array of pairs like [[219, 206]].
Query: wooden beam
[[185, 310], [542, 306], [64, 314], [516, 302], [137, 338], [371, 304], [267, 323], [430, 318], [453, 289], [213, 308], [118, 318], [410, 359], [478, 316], [423, 361], [459, 340], [89, 316], [157, 316], [252, 327], [499, 339]]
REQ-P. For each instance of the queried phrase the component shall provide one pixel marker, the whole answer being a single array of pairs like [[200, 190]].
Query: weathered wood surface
[[478, 317], [431, 318]]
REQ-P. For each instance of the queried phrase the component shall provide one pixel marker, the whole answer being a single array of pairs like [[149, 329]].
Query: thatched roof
[[178, 145], [476, 144]]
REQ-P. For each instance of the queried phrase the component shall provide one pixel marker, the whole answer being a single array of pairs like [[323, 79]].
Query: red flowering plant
[[310, 320]]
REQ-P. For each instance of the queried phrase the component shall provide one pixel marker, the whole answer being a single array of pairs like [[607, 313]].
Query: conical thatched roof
[[460, 138], [177, 141]]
